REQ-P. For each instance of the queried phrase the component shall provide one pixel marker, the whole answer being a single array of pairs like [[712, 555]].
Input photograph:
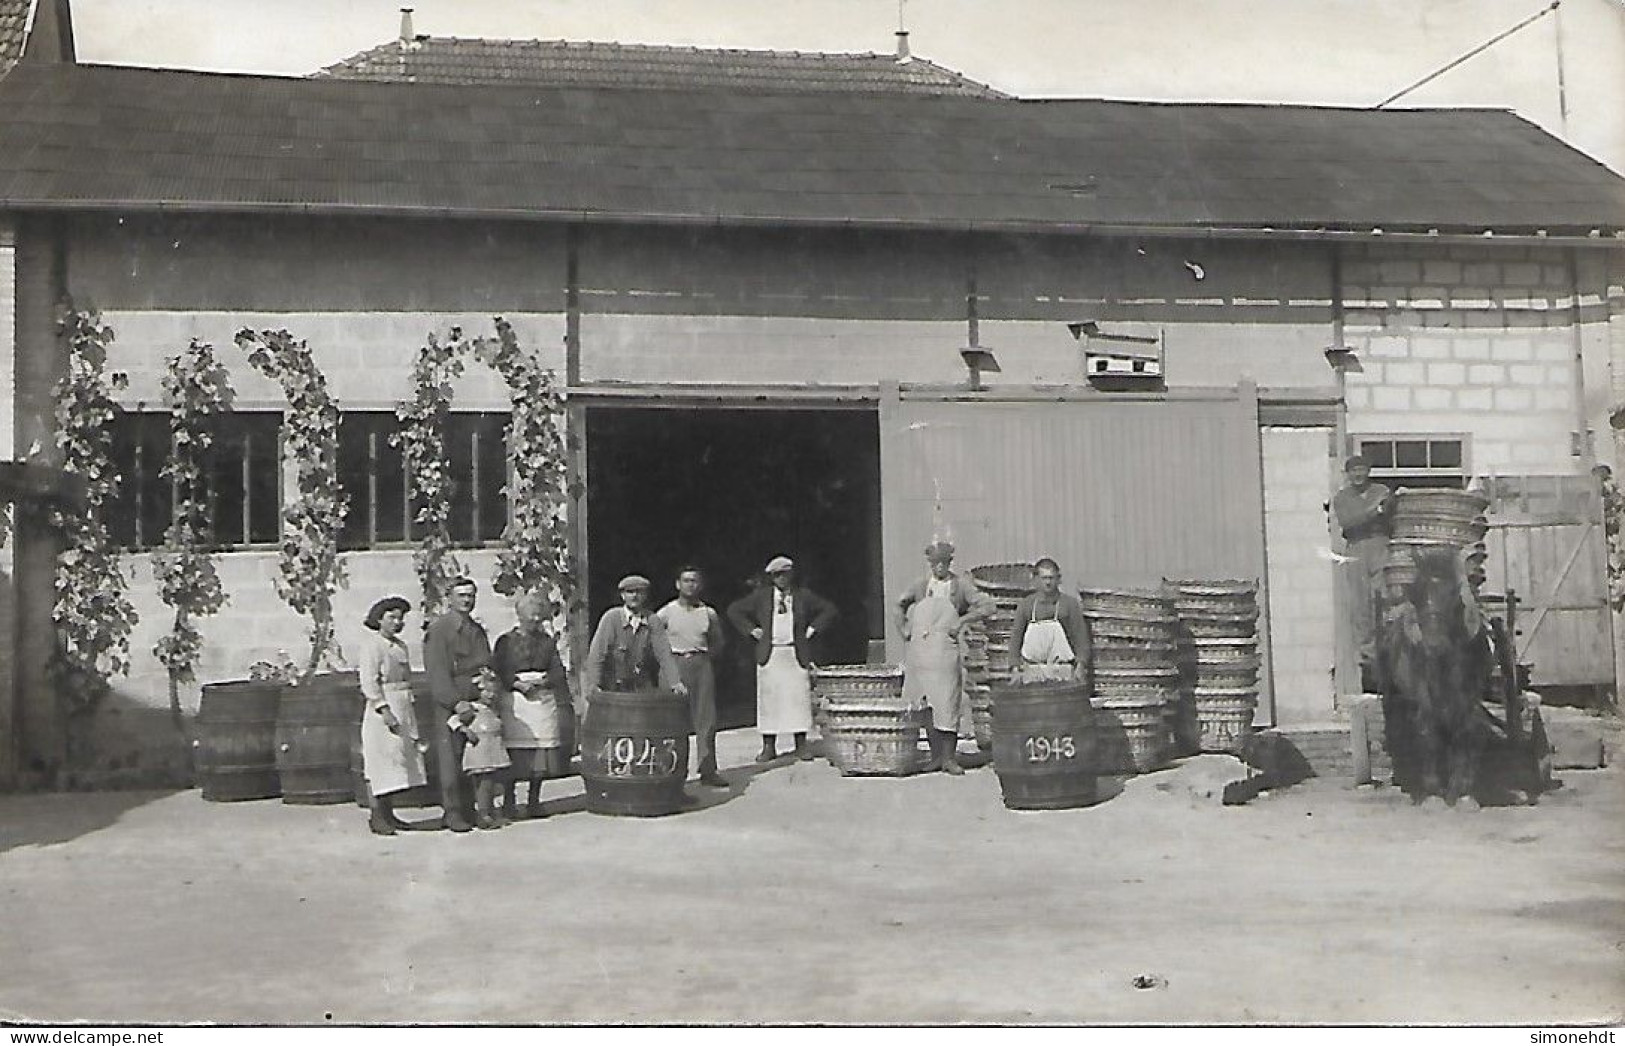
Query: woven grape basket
[[1223, 587], [980, 699], [1441, 531], [1112, 628], [1463, 505], [868, 727], [1133, 732], [1130, 604], [1011, 581], [1224, 717], [1220, 628]]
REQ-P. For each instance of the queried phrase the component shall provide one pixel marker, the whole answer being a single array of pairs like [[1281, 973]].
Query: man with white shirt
[[694, 631], [783, 619]]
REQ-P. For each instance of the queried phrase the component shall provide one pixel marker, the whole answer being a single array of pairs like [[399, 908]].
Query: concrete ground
[[802, 896]]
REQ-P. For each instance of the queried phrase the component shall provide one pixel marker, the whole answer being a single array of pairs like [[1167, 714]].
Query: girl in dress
[[391, 757], [484, 757]]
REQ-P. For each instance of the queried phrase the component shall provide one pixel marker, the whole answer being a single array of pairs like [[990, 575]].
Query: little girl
[[484, 757]]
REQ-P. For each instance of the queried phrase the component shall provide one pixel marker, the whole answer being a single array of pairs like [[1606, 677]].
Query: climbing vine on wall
[[197, 390], [422, 439], [535, 553], [311, 570], [92, 613]]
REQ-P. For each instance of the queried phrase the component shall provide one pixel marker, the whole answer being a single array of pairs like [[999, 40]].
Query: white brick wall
[[1298, 473]]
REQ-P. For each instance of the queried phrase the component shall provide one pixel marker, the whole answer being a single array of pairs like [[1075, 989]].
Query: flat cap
[[939, 550], [632, 581], [778, 564]]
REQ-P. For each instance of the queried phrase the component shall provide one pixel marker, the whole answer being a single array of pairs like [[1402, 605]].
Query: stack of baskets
[[1425, 519], [868, 728], [987, 647], [1136, 697], [1219, 658]]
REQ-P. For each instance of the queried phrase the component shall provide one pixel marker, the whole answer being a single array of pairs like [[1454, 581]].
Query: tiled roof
[[13, 22], [102, 136], [560, 63]]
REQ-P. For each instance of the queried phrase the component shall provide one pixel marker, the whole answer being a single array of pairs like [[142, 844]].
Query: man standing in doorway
[[1050, 640], [694, 631], [455, 649], [783, 619], [930, 616], [629, 649], [1363, 511]]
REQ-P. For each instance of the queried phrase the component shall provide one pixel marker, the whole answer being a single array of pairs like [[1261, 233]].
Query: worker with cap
[[783, 619], [1363, 510], [629, 649], [930, 617]]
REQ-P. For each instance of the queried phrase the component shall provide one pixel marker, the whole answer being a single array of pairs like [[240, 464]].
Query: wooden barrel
[[236, 741], [315, 721], [869, 730], [634, 753], [1043, 746]]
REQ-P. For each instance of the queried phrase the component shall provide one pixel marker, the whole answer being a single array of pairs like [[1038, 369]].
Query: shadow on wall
[[127, 745], [60, 817]]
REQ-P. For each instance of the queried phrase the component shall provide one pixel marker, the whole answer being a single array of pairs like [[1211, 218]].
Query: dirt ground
[[802, 896]]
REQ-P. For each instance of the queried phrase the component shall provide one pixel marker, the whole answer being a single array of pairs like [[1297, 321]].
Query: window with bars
[[242, 480], [373, 473], [1416, 460]]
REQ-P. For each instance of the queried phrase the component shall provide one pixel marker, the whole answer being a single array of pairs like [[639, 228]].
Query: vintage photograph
[[915, 513]]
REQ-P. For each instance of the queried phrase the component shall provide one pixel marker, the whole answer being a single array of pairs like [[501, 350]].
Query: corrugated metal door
[[1121, 493]]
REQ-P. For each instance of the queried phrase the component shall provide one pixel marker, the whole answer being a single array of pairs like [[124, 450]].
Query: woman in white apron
[[391, 757], [538, 715], [931, 672]]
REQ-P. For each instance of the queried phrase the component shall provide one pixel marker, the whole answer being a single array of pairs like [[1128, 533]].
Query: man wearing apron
[[930, 616], [1362, 509], [783, 619], [1050, 640]]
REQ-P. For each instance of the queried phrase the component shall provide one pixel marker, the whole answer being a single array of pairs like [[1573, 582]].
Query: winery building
[[776, 312]]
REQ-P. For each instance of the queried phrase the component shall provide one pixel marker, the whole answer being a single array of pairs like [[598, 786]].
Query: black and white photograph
[[922, 514]]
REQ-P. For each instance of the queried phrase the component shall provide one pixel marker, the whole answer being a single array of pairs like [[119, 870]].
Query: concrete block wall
[[1298, 470], [1472, 340]]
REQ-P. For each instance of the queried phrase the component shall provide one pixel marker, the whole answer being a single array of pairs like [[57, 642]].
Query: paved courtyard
[[802, 896]]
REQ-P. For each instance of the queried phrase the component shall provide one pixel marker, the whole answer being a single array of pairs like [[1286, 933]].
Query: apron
[[391, 762], [783, 689], [931, 663], [1046, 653], [531, 720]]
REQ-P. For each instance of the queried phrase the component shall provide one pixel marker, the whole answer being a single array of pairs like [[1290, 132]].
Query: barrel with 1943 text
[[634, 752], [1044, 745]]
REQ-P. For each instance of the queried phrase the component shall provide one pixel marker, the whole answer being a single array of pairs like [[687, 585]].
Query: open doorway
[[727, 489]]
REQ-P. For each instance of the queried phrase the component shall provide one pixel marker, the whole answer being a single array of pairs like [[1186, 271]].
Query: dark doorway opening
[[728, 489]]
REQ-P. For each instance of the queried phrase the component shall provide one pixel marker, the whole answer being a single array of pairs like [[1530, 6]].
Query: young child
[[484, 757]]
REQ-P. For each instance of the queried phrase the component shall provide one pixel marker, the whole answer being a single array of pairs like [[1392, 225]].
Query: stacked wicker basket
[[987, 660], [1219, 659], [1136, 695], [1426, 519], [868, 728]]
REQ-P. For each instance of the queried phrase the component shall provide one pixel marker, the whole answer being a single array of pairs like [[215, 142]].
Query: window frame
[[1395, 475]]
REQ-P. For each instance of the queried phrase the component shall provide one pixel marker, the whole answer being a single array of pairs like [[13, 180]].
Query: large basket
[[890, 750], [1436, 529], [1224, 717], [1222, 587], [980, 699], [1132, 657], [1133, 733], [1211, 651], [1153, 675], [1009, 580], [868, 727], [1132, 604], [1220, 628], [1144, 631], [1464, 505]]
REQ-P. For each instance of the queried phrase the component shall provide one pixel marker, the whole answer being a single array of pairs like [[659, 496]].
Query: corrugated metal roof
[[558, 63], [13, 31], [199, 141]]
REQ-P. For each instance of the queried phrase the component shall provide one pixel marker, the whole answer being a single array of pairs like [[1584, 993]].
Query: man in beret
[[629, 650], [783, 619], [930, 615], [1363, 510]]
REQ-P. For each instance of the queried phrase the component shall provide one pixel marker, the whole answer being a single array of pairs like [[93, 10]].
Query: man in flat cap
[[629, 649], [930, 616], [783, 620], [1363, 510]]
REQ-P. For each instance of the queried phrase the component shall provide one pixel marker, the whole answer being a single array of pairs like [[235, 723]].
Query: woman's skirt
[[391, 762]]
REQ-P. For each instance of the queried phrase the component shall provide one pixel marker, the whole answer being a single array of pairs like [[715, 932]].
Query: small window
[[242, 480], [372, 472], [1416, 460]]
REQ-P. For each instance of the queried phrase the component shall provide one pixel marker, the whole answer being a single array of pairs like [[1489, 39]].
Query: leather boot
[[933, 764], [803, 750], [768, 752], [382, 820], [949, 740]]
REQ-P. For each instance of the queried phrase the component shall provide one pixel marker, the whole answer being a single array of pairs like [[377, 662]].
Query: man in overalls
[[1363, 510], [1050, 639], [629, 650], [930, 616]]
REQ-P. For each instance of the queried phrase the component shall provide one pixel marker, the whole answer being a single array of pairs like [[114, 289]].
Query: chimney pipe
[[407, 34], [902, 47]]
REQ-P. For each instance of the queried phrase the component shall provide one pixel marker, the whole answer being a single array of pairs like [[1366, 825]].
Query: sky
[[1331, 52]]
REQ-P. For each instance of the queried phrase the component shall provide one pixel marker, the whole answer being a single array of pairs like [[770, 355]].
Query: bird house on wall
[[1125, 362], [1098, 364]]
